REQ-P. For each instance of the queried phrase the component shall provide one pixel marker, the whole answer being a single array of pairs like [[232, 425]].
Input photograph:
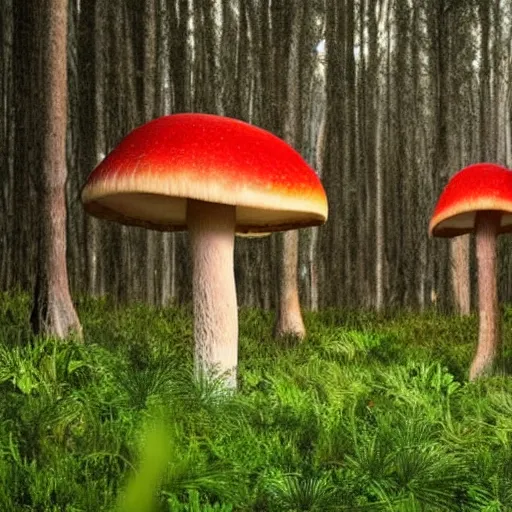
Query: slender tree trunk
[[27, 144], [289, 317], [379, 215], [96, 276], [149, 112], [484, 78], [53, 312], [459, 247], [379, 175], [459, 256], [6, 138], [350, 170], [313, 243], [166, 268]]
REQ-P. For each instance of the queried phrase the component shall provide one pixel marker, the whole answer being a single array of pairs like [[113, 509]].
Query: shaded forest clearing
[[370, 412]]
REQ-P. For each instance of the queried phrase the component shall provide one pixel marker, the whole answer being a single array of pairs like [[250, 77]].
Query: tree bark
[[26, 156], [95, 275], [6, 139], [484, 79], [149, 112], [379, 214], [380, 236], [166, 263], [53, 312], [289, 317], [313, 242], [459, 255]]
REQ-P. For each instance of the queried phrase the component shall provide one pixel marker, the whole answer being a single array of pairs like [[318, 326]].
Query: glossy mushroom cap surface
[[478, 187], [147, 179]]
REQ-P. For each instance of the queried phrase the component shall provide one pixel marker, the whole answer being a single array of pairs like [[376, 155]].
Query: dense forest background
[[386, 99]]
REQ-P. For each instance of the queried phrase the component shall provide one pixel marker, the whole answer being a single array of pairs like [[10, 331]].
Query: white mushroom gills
[[212, 238]]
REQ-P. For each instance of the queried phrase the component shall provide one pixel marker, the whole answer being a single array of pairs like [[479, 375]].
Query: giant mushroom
[[478, 199], [213, 176]]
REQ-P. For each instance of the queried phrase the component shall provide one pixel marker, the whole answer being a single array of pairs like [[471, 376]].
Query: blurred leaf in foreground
[[155, 455]]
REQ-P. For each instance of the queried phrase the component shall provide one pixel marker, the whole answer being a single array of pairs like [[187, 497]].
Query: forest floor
[[370, 412]]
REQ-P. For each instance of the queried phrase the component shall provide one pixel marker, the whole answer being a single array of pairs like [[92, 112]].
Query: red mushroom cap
[[478, 187], [147, 178]]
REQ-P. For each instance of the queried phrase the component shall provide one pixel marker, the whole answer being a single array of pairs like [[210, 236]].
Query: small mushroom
[[478, 199], [212, 176]]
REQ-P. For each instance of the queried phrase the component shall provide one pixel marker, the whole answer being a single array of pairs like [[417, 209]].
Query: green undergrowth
[[370, 412]]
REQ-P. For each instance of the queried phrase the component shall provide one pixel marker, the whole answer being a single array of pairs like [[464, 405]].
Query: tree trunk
[[380, 236], [313, 242], [379, 214], [484, 78], [459, 255], [53, 312], [95, 275], [289, 317], [149, 112], [166, 266]]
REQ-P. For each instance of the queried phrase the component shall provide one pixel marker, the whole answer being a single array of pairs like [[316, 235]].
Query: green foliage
[[370, 412], [194, 504]]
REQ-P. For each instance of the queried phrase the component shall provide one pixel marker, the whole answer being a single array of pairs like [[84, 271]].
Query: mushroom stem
[[486, 228], [212, 238]]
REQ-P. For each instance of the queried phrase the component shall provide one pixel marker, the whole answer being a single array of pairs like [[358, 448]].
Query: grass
[[371, 412]]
